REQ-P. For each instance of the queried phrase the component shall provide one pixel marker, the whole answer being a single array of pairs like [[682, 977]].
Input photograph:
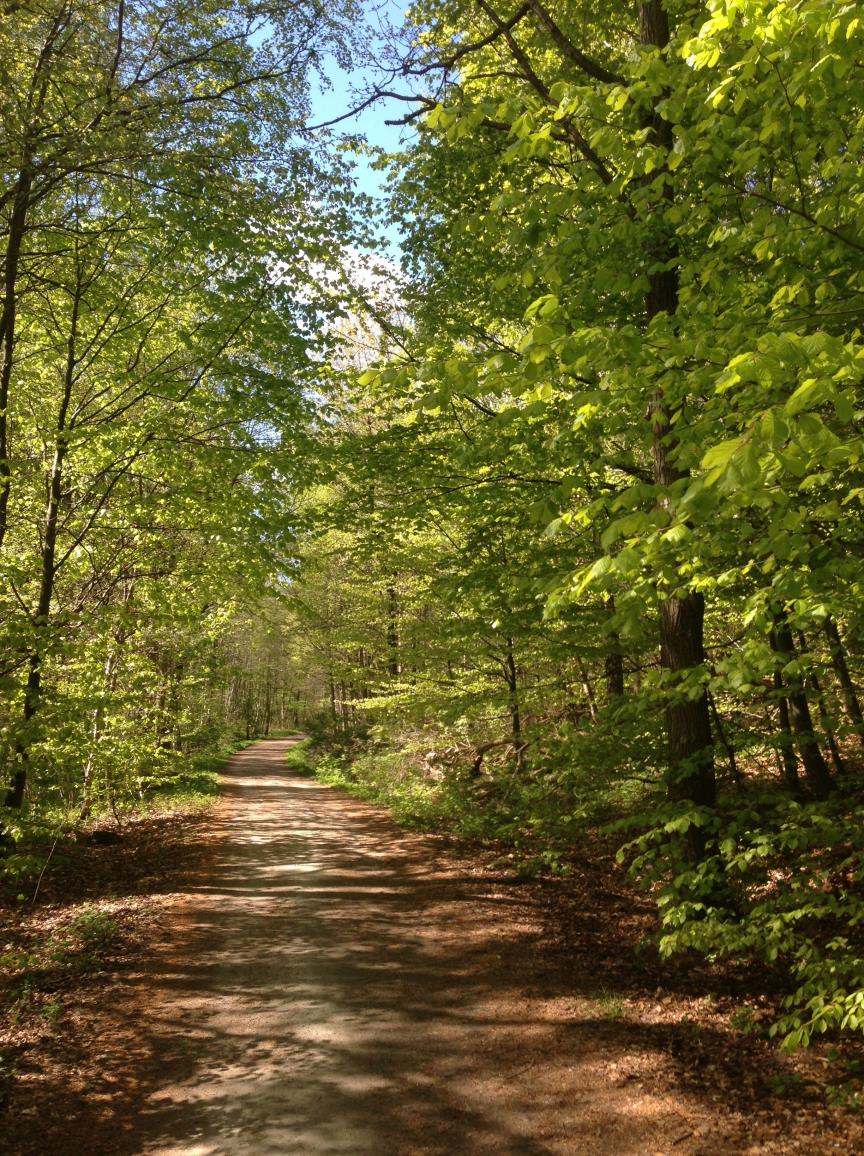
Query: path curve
[[333, 986]]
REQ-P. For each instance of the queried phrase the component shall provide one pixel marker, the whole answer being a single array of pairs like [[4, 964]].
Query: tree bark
[[614, 663], [394, 668], [42, 616], [841, 669], [38, 89], [816, 771], [824, 714], [17, 227], [688, 722], [691, 775], [511, 678], [725, 741], [109, 680], [589, 691], [787, 743]]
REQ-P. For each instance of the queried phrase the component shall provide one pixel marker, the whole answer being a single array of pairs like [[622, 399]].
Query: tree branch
[[567, 48], [502, 27]]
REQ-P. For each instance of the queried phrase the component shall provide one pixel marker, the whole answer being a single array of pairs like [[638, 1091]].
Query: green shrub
[[299, 758], [780, 884]]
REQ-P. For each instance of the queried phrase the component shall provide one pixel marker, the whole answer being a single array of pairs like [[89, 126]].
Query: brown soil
[[325, 983]]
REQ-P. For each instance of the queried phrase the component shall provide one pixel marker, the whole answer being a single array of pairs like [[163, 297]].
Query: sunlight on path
[[331, 989]]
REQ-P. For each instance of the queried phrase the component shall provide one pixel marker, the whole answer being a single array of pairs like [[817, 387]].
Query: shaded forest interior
[[548, 534]]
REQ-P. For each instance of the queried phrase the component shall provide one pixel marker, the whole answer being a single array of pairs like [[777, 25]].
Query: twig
[[44, 869]]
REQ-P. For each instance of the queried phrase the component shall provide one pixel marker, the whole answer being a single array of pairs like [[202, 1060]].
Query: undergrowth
[[781, 883], [29, 839], [537, 811], [35, 972]]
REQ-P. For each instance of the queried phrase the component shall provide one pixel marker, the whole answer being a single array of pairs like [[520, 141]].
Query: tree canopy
[[560, 523]]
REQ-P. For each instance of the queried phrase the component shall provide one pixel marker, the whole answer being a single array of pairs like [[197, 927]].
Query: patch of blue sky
[[339, 95], [339, 98]]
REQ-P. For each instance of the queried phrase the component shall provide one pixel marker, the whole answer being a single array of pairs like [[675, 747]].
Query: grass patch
[[388, 780], [193, 782], [609, 1006], [96, 930], [300, 759]]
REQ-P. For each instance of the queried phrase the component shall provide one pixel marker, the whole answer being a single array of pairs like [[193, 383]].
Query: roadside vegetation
[[550, 538]]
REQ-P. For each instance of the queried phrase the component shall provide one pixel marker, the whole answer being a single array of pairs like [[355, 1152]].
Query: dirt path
[[332, 985], [291, 973]]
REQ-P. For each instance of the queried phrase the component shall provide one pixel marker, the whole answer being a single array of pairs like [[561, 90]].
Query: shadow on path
[[332, 986]]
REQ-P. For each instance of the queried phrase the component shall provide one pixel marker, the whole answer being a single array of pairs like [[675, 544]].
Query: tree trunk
[[824, 714], [41, 619], [513, 689], [691, 774], [17, 228], [95, 733], [725, 742], [816, 771], [393, 665], [614, 662], [38, 89], [268, 703], [841, 669], [589, 691], [787, 743]]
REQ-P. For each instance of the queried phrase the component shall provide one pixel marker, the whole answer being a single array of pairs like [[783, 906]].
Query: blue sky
[[343, 94]]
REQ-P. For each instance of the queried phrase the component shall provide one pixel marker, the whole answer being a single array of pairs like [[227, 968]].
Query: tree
[[635, 272], [159, 290]]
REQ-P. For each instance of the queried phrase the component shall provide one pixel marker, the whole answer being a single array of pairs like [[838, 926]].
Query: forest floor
[[291, 973]]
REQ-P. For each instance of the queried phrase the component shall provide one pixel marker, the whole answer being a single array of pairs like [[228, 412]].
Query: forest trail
[[333, 985]]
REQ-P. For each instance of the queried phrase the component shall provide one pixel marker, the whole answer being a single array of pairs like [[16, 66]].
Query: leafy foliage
[[162, 319], [559, 526], [589, 533]]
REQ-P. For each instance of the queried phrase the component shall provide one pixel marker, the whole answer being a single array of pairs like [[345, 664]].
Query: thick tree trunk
[[688, 721], [614, 670]]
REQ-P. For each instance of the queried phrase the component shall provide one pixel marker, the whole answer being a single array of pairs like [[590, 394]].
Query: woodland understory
[[547, 532]]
